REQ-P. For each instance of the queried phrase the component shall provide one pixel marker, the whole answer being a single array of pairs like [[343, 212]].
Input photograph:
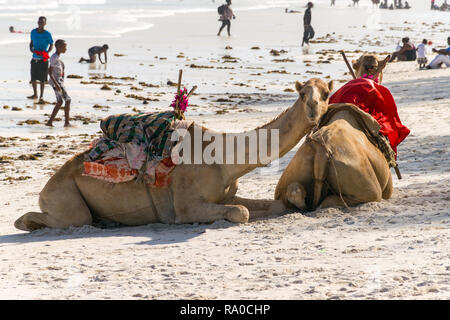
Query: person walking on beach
[[93, 51], [226, 14], [333, 3], [40, 45], [57, 71], [443, 57], [308, 33]]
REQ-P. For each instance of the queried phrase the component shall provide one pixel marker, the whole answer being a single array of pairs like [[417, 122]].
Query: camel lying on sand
[[337, 165], [200, 193]]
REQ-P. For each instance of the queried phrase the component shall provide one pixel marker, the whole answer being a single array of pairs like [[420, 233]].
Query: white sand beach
[[393, 249]]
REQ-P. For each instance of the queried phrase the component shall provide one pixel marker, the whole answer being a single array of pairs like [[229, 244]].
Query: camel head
[[369, 64], [314, 95], [366, 64]]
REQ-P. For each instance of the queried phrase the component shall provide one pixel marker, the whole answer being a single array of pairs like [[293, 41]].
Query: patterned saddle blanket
[[135, 146]]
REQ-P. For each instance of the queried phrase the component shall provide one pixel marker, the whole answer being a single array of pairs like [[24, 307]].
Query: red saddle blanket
[[376, 100]]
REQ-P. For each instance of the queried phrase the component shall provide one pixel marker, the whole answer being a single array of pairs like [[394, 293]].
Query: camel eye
[[302, 95], [325, 95]]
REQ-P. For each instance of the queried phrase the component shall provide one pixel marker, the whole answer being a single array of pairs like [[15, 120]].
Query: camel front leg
[[208, 212], [260, 208], [296, 195]]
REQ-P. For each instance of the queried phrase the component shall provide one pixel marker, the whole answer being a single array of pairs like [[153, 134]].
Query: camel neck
[[273, 141]]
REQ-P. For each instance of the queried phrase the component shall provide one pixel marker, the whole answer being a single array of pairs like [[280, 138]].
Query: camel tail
[[320, 172]]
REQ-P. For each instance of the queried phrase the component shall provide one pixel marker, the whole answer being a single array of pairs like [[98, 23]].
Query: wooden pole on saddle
[[381, 66], [177, 110], [348, 64], [191, 92], [180, 75], [397, 171]]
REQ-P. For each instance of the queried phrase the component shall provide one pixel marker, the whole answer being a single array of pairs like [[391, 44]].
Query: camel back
[[369, 126]]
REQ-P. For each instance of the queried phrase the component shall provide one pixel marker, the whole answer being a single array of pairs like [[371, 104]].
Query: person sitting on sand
[[422, 54], [407, 6], [291, 11], [399, 5], [56, 72], [406, 53], [97, 50], [443, 57], [434, 6], [384, 5], [226, 17]]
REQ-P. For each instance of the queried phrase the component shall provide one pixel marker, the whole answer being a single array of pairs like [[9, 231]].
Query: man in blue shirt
[[41, 44], [442, 58]]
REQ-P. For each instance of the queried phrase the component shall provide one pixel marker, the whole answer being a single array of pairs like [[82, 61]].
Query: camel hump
[[363, 118]]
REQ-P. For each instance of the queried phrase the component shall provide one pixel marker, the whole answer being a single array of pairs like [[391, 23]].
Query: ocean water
[[113, 18], [145, 30]]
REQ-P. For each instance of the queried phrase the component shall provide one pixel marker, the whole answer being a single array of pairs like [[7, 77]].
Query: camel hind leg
[[320, 169], [62, 206]]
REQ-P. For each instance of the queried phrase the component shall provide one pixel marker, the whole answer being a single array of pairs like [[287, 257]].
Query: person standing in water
[[226, 16], [93, 51], [40, 45], [308, 34]]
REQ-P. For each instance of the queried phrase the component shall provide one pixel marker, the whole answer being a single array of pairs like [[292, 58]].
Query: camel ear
[[298, 86], [356, 64], [331, 85]]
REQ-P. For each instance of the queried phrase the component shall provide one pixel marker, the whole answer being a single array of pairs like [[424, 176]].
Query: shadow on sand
[[157, 234]]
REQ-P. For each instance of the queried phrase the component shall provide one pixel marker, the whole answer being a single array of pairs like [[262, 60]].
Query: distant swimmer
[[12, 30], [97, 50]]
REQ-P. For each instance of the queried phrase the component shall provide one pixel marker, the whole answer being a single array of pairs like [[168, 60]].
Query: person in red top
[[375, 99]]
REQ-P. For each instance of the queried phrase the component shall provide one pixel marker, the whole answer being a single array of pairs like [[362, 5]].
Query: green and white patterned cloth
[[152, 130]]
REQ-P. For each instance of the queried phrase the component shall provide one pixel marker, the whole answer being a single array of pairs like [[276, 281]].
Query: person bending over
[[97, 50]]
